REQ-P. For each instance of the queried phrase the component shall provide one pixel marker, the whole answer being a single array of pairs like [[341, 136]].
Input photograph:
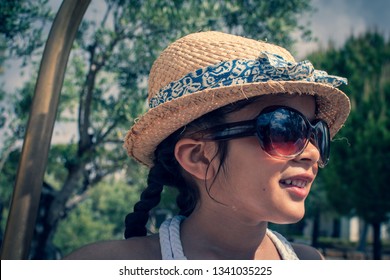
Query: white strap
[[171, 247], [284, 247]]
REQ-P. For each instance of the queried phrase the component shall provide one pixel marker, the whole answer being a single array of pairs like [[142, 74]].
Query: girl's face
[[259, 187]]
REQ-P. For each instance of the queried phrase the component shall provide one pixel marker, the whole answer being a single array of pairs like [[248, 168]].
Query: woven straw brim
[[158, 123]]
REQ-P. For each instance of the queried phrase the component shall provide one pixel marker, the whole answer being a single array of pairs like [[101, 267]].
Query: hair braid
[[136, 221]]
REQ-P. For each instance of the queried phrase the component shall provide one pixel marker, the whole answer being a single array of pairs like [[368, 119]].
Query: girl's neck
[[212, 235]]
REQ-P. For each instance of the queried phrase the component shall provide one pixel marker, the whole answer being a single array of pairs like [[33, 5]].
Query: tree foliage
[[358, 174], [22, 34], [22, 25]]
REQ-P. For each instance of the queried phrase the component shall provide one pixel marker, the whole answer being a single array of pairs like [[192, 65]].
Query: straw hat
[[207, 70]]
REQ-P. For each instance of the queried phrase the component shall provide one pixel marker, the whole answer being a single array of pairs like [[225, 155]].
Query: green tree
[[98, 217], [358, 174], [104, 88], [22, 27], [21, 33], [18, 39]]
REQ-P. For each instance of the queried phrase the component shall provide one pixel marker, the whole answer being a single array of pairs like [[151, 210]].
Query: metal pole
[[32, 165]]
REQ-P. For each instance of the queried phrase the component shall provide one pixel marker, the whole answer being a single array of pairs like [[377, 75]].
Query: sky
[[333, 20], [336, 20]]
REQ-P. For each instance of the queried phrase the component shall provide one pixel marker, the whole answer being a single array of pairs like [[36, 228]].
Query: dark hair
[[166, 171]]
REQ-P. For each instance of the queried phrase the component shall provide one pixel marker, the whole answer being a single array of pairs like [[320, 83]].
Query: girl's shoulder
[[306, 252], [135, 248]]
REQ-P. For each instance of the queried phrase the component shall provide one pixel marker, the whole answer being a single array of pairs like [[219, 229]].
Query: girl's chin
[[290, 218]]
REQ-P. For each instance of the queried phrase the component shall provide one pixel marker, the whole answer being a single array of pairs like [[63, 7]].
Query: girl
[[240, 129]]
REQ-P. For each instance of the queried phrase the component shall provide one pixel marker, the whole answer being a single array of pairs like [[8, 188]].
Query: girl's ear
[[197, 157]]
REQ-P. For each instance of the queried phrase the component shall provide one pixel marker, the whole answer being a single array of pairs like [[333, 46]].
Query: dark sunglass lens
[[322, 141], [288, 132]]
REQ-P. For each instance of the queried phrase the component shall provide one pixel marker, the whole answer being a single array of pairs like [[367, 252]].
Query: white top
[[172, 249]]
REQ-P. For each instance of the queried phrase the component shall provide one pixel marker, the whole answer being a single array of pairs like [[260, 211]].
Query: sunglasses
[[283, 133]]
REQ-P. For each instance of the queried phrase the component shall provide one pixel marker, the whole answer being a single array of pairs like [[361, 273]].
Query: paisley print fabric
[[268, 67]]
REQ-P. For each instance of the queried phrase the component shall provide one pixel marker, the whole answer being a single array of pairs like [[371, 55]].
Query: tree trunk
[[377, 245], [1, 222], [316, 229], [38, 249], [51, 211], [363, 238]]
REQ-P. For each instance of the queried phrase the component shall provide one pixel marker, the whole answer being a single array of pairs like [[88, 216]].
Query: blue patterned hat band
[[267, 67]]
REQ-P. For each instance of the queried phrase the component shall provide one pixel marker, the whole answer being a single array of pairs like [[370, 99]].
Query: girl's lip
[[297, 193], [297, 186]]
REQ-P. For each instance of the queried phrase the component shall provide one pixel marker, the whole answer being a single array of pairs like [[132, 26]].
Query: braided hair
[[166, 171]]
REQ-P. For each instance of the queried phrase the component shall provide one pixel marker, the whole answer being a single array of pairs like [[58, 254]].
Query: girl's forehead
[[303, 103]]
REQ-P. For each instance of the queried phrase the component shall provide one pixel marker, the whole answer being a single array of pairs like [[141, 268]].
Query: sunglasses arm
[[227, 131]]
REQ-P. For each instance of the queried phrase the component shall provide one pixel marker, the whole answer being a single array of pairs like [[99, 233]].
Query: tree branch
[[100, 137]]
